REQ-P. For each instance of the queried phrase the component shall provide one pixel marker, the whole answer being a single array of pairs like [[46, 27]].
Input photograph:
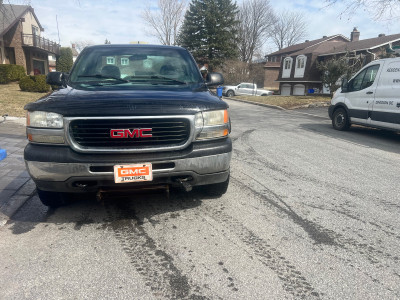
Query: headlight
[[44, 119], [212, 124]]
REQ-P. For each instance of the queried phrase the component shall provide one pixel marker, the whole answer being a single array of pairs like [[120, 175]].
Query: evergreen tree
[[64, 61], [209, 31]]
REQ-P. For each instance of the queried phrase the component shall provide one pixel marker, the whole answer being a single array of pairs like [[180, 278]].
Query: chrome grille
[[95, 133]]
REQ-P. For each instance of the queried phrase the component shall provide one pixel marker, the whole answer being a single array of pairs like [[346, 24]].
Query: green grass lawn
[[287, 102], [13, 100]]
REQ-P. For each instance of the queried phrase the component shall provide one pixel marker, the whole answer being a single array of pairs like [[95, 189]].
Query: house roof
[[324, 47], [366, 44], [301, 46], [11, 14]]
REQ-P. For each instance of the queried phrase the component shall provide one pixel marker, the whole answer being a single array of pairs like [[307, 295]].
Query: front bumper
[[61, 169]]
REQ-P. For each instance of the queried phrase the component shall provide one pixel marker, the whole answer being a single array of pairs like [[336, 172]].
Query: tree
[[165, 22], [209, 31], [256, 19], [107, 42], [236, 71], [289, 28], [64, 61], [338, 67], [377, 9]]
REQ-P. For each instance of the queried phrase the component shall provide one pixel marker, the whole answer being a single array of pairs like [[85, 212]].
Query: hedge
[[10, 73], [35, 83]]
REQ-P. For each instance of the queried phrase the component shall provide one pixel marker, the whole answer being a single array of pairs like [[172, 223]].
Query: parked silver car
[[245, 88]]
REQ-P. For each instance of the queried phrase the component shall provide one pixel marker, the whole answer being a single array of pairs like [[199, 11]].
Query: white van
[[370, 98]]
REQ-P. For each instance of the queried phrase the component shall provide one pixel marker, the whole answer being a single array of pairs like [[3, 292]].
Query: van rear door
[[386, 107]]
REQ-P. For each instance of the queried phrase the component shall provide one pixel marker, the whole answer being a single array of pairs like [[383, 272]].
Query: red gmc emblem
[[127, 133]]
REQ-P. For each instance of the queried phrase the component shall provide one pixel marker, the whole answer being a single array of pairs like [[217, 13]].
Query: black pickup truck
[[128, 116]]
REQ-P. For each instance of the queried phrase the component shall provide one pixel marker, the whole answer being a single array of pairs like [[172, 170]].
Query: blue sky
[[119, 20]]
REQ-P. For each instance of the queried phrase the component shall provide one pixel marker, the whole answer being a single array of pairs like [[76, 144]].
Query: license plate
[[133, 173]]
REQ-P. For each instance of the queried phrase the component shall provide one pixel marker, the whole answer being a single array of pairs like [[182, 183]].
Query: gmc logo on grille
[[127, 133]]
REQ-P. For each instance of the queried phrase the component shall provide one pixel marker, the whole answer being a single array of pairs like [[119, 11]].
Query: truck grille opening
[[96, 133]]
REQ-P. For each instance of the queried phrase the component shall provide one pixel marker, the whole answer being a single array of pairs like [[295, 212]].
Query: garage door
[[285, 90], [298, 90]]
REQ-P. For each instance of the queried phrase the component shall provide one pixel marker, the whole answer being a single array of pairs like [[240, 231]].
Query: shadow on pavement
[[374, 138], [137, 207]]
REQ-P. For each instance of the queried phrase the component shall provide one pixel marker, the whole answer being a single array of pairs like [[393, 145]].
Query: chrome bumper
[[51, 171]]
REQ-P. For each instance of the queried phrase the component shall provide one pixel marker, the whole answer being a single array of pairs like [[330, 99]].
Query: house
[[75, 52], [297, 73], [21, 40]]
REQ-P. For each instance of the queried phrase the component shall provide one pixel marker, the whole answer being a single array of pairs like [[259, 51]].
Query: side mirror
[[55, 78], [345, 85], [214, 79]]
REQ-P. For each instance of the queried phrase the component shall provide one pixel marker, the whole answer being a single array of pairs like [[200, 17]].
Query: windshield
[[132, 67]]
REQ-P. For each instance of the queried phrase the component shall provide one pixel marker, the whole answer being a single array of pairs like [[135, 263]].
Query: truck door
[[245, 89], [386, 107], [360, 95]]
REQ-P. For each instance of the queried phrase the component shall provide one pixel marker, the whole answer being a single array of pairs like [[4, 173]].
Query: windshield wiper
[[134, 78], [104, 77]]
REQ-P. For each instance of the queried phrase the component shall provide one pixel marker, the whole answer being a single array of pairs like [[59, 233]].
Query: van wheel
[[53, 199], [340, 119], [216, 189], [230, 94]]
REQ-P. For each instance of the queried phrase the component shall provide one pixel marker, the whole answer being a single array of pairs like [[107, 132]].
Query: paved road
[[310, 213]]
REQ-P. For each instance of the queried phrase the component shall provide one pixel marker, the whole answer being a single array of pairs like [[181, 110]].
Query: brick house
[[297, 71], [21, 40]]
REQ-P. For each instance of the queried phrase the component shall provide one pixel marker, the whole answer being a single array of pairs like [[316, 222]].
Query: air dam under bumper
[[88, 177]]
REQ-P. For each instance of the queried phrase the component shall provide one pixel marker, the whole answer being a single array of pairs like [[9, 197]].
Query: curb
[[257, 103], [281, 108]]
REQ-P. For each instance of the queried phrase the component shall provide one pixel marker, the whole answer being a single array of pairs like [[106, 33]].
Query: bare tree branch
[[289, 28], [82, 44], [256, 19], [378, 9], [164, 23]]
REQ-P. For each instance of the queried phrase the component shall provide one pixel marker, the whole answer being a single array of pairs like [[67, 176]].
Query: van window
[[364, 79]]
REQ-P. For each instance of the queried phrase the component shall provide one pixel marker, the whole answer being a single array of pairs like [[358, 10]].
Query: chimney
[[307, 41], [381, 35], [355, 35], [73, 46]]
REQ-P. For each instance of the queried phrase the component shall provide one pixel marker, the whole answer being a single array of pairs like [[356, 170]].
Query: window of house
[[110, 60], [287, 67], [124, 61], [300, 66], [35, 30]]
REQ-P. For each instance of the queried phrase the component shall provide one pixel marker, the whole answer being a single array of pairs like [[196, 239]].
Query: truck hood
[[72, 102]]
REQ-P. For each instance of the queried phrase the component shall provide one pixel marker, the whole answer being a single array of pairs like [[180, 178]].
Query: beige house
[[21, 40]]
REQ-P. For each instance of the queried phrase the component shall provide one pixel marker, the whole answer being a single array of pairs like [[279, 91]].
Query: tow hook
[[184, 183]]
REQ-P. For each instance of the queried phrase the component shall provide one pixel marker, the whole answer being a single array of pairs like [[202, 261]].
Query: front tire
[[340, 119], [230, 94], [53, 199]]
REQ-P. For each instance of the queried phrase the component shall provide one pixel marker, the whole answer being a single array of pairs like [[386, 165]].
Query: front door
[[361, 94], [38, 67]]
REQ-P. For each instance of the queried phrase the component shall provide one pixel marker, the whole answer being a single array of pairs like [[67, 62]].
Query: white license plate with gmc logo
[[133, 173]]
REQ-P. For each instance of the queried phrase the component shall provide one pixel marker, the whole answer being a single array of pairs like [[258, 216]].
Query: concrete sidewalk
[[16, 187]]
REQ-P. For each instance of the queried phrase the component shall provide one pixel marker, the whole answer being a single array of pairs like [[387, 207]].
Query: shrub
[[35, 83], [10, 73], [64, 61]]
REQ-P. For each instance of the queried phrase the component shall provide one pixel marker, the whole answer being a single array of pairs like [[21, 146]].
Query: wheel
[[53, 199], [230, 94], [340, 119], [216, 189]]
